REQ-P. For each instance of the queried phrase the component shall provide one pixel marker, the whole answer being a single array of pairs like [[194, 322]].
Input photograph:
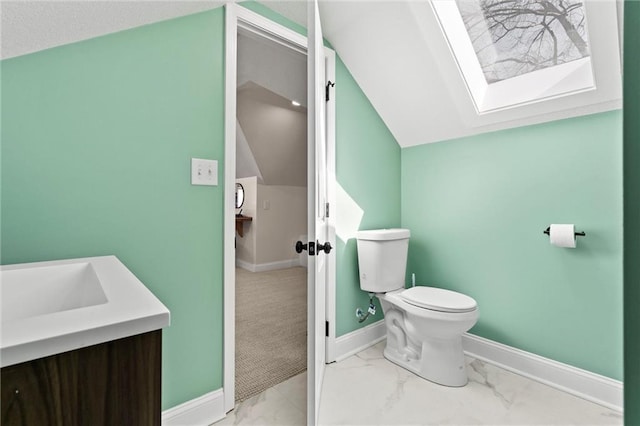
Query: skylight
[[514, 52]]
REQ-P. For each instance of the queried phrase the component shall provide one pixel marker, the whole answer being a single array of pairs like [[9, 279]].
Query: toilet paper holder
[[577, 234]]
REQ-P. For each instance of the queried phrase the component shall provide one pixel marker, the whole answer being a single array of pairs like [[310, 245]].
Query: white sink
[[54, 307], [30, 292]]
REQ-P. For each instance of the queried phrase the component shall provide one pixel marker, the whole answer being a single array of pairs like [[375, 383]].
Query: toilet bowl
[[424, 324], [426, 341]]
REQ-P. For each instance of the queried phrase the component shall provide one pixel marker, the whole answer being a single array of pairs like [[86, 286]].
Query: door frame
[[236, 17]]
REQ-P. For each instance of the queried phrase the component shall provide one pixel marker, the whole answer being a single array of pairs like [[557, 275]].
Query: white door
[[317, 220]]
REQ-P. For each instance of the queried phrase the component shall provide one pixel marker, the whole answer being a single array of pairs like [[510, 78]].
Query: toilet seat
[[438, 299]]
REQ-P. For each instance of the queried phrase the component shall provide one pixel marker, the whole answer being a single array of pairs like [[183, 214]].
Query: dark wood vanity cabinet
[[113, 383]]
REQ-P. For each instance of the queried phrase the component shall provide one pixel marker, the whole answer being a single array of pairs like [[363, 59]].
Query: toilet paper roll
[[562, 235]]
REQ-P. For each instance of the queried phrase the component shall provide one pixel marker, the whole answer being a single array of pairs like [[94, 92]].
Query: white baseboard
[[271, 266], [204, 410], [352, 343], [581, 383], [245, 265]]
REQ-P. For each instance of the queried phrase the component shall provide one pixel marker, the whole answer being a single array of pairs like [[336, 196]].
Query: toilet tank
[[382, 259]]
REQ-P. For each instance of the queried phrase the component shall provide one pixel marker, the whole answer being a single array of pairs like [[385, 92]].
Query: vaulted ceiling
[[399, 56], [276, 135], [271, 132], [394, 49]]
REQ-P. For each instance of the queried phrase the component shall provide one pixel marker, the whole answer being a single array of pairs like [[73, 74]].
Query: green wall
[[97, 138], [368, 170], [631, 212], [476, 208]]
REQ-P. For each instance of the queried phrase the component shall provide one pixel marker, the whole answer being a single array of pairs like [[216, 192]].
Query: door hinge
[[326, 209], [326, 328], [326, 90]]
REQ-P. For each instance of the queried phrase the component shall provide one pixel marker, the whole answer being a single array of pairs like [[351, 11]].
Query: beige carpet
[[271, 328]]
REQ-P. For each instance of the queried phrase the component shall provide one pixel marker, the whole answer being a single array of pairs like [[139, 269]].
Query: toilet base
[[441, 361]]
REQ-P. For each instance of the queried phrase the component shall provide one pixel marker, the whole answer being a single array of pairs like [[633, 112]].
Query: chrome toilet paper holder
[[577, 234]]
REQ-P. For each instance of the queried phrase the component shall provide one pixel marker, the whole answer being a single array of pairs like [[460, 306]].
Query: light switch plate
[[204, 172]]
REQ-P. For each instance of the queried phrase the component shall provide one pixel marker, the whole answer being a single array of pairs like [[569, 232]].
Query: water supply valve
[[371, 310]]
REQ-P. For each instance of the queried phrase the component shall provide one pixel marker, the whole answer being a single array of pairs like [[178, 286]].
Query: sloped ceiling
[[246, 165], [270, 76], [276, 133], [394, 50], [271, 65], [398, 55], [31, 26]]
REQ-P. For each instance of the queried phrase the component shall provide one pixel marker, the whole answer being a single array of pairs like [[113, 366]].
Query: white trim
[[204, 410], [581, 383], [271, 266], [229, 298], [358, 340], [260, 25], [332, 183]]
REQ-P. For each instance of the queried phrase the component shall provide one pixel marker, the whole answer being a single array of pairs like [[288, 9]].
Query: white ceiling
[[276, 133], [400, 58], [30, 26], [394, 50], [271, 142], [278, 68]]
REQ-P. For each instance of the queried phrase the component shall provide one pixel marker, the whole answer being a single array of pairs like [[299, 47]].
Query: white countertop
[[129, 309]]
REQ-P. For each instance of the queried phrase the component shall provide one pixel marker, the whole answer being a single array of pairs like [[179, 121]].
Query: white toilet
[[424, 324]]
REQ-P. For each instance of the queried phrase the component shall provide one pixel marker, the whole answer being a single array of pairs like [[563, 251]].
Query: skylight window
[[514, 37], [514, 52]]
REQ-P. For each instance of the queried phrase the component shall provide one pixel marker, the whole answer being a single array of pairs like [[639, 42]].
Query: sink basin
[[54, 307], [30, 292]]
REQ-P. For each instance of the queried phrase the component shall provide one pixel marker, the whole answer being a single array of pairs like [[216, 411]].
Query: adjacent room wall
[[282, 219], [631, 213], [279, 219], [97, 138], [476, 208], [246, 245]]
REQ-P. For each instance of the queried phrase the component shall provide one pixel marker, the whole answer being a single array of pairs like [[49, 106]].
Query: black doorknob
[[300, 247], [326, 247]]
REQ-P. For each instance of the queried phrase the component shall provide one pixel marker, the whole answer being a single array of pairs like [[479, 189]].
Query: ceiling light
[[295, 103]]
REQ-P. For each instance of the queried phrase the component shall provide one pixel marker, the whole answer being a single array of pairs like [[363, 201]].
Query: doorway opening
[[319, 288], [271, 172]]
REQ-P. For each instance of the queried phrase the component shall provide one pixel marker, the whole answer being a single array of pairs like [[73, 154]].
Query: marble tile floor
[[281, 405], [367, 389]]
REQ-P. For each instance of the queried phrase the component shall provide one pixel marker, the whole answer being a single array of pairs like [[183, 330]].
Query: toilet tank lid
[[383, 234], [438, 299]]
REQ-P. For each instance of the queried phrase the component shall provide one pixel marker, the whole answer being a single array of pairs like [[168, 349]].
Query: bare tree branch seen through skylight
[[514, 37]]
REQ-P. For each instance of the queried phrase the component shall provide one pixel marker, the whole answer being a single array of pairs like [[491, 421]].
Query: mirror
[[239, 195]]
